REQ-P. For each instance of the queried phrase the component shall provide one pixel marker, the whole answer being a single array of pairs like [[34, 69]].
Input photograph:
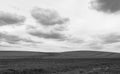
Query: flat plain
[[77, 62]]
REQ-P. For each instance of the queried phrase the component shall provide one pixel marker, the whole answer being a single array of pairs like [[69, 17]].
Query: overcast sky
[[60, 25]]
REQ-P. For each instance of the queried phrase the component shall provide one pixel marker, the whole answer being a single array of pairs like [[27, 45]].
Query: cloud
[[108, 6], [110, 38], [103, 41], [9, 18], [47, 17], [75, 40], [95, 45], [9, 38], [51, 35], [12, 39]]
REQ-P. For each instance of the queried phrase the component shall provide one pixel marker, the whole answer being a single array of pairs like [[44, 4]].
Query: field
[[60, 66]]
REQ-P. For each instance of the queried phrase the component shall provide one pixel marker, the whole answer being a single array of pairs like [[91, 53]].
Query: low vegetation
[[62, 66]]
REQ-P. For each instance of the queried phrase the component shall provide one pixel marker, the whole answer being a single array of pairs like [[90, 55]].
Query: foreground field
[[60, 66], [78, 62]]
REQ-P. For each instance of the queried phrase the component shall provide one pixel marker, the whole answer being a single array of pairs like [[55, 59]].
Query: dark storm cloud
[[111, 38], [9, 19], [47, 17], [52, 35], [109, 6], [12, 39]]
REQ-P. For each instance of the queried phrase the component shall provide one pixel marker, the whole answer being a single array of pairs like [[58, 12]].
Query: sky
[[60, 25]]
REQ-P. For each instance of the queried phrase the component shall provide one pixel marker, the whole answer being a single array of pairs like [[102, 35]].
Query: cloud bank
[[51, 35], [10, 19], [107, 6], [52, 24], [13, 39], [110, 38], [48, 17]]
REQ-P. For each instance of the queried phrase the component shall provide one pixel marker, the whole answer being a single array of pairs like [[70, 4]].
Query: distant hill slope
[[72, 54], [18, 54], [88, 54]]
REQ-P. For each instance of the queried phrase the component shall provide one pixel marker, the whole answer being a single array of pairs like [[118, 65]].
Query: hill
[[71, 54]]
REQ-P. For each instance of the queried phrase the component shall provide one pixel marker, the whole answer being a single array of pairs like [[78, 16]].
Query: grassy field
[[58, 66], [45, 64]]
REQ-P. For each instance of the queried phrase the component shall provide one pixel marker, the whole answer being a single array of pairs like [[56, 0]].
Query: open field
[[48, 65]]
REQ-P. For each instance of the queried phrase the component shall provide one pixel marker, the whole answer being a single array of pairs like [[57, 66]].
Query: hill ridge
[[70, 54]]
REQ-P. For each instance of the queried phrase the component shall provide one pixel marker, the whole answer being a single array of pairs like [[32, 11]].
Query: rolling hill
[[71, 54]]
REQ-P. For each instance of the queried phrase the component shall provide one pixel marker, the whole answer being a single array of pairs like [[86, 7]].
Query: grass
[[77, 62], [59, 66]]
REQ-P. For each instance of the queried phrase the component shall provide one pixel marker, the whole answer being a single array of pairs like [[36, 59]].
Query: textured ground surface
[[49, 63]]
